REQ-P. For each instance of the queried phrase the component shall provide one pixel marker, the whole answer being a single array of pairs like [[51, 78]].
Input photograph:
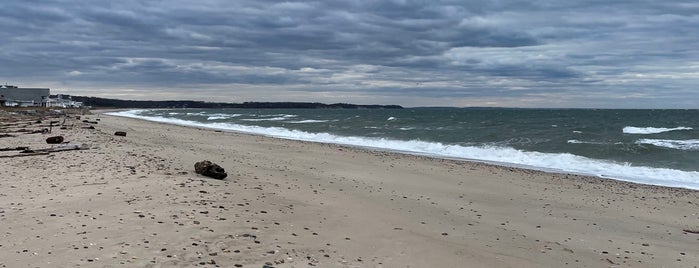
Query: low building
[[23, 97], [62, 101]]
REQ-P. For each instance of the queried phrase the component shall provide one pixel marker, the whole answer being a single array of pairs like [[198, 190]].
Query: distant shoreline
[[142, 104]]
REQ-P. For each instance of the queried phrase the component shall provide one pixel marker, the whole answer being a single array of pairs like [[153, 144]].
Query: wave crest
[[687, 145], [651, 130]]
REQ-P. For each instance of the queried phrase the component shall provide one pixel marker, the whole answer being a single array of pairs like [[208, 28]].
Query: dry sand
[[135, 201]]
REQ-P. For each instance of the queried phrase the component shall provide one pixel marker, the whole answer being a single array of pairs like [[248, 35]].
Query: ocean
[[659, 147]]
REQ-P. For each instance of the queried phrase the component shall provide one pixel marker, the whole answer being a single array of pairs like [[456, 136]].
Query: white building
[[62, 101]]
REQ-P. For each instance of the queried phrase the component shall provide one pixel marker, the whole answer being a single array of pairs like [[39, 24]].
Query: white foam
[[687, 145], [278, 115], [556, 162], [217, 117], [221, 116], [391, 118], [265, 119], [589, 142], [651, 130], [308, 121]]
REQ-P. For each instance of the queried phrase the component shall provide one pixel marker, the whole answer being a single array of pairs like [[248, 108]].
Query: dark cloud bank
[[607, 54]]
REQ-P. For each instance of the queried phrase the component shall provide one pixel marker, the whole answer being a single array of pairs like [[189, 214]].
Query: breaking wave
[[687, 145], [264, 119], [308, 121], [651, 130]]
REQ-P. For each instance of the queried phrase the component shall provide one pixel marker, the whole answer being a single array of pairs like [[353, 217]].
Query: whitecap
[[589, 142], [687, 145], [651, 130], [308, 121], [265, 119], [217, 117]]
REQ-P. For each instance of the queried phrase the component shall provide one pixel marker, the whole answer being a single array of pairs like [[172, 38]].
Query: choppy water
[[646, 146]]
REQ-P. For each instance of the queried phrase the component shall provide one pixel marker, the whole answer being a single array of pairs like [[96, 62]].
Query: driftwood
[[24, 154], [13, 149], [45, 151], [45, 130], [64, 147]]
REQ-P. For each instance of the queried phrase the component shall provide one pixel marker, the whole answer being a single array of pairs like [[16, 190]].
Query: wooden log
[[63, 147], [13, 149], [24, 154]]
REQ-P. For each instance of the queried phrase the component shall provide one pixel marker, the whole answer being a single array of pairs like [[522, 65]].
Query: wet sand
[[135, 201]]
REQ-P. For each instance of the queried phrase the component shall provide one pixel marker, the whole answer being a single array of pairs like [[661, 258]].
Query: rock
[[54, 140], [209, 169], [120, 133]]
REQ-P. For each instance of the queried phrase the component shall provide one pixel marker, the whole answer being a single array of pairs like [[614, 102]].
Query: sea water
[[659, 147]]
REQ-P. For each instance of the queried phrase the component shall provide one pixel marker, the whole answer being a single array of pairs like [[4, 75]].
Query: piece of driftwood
[[24, 154], [63, 147], [42, 131], [13, 149]]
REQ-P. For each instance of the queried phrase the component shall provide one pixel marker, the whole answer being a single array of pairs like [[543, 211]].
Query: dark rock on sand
[[120, 133], [54, 140], [209, 169]]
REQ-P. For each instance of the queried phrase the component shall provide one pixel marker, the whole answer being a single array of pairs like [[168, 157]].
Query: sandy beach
[[135, 201]]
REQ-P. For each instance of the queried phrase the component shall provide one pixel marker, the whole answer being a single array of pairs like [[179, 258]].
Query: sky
[[533, 53]]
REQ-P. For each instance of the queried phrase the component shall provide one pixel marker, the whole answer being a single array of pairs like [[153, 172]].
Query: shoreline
[[428, 155], [136, 201]]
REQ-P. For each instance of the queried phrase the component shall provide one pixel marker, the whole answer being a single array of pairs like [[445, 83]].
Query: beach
[[135, 201]]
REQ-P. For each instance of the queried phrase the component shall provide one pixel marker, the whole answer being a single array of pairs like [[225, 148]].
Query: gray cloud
[[504, 53]]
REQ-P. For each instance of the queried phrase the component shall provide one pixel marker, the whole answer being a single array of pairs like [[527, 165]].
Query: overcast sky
[[533, 53]]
